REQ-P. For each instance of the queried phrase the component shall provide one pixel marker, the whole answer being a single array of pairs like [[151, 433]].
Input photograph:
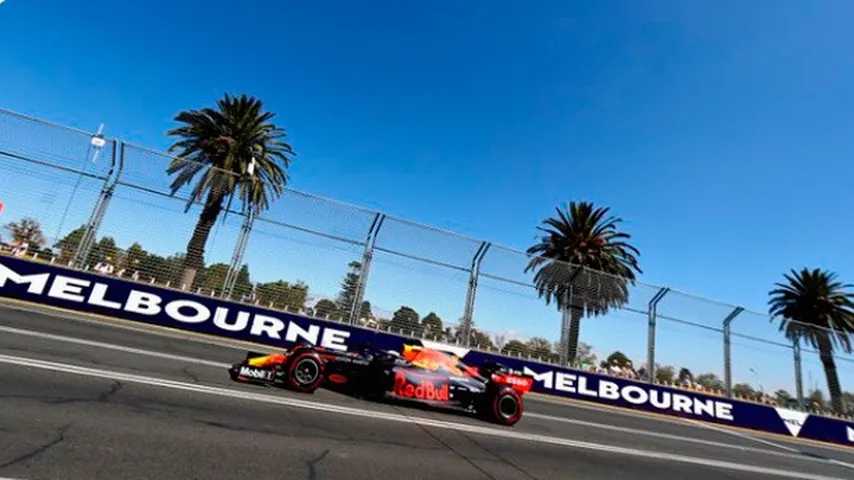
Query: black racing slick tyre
[[305, 372], [504, 406]]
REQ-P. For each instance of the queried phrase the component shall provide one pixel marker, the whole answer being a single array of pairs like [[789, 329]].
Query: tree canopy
[[812, 306], [710, 381], [27, 230], [406, 320], [432, 325], [617, 359], [326, 308], [584, 264]]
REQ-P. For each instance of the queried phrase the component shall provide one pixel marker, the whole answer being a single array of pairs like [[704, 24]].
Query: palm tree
[[230, 150], [584, 264], [814, 307]]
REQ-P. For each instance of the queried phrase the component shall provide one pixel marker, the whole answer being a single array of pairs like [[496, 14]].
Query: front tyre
[[305, 372], [504, 406]]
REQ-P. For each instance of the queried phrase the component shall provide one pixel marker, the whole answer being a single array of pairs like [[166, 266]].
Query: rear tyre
[[305, 372], [504, 406]]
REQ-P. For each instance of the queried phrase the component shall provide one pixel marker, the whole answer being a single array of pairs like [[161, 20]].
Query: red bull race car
[[417, 374]]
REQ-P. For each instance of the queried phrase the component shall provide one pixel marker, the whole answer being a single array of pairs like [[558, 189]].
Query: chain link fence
[[99, 204]]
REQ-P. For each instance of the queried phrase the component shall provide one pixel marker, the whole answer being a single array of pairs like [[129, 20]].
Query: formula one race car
[[417, 374]]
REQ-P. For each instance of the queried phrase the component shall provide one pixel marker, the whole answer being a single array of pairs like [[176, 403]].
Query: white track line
[[794, 452], [768, 442], [475, 429], [111, 346], [744, 435]]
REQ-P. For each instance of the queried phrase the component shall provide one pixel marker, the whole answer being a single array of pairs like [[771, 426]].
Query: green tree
[[104, 251], [134, 257], [481, 340], [816, 400], [744, 390], [232, 150], [212, 278], [580, 238], [848, 400], [282, 294], [432, 325], [27, 230], [326, 309], [349, 286], [710, 381], [406, 320], [515, 348], [617, 359], [685, 376], [162, 270], [813, 307], [153, 267], [540, 347], [665, 374], [365, 311], [585, 358], [785, 399], [68, 244], [243, 286]]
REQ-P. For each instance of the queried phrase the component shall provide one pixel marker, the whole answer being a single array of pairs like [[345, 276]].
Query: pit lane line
[[474, 429], [794, 453]]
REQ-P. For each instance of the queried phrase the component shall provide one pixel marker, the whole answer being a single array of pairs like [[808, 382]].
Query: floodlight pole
[[471, 293], [237, 255], [94, 223], [650, 338], [242, 239], [727, 356], [367, 258]]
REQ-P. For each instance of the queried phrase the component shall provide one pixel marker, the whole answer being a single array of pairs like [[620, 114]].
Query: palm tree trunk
[[575, 315], [195, 259], [825, 350]]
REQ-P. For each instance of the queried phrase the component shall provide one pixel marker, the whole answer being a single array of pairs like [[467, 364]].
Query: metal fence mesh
[[327, 259]]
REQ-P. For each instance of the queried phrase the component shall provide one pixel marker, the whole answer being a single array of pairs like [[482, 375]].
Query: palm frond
[[812, 306], [215, 146], [582, 254]]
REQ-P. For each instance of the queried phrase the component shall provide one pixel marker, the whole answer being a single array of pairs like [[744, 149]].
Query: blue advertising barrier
[[56, 286]]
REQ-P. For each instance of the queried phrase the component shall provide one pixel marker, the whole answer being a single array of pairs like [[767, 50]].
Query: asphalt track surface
[[87, 399]]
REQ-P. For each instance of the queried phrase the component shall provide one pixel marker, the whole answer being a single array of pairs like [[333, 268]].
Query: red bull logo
[[423, 390]]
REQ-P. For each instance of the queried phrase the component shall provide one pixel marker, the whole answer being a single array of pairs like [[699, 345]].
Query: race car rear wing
[[521, 383]]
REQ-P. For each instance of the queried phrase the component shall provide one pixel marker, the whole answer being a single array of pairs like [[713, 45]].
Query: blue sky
[[720, 132]]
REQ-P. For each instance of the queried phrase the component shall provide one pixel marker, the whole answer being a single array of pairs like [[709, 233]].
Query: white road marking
[[744, 435], [475, 429], [795, 453], [768, 442], [111, 346]]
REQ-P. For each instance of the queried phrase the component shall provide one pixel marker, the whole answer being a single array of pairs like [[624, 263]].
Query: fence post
[[799, 383], [237, 255], [97, 216], [650, 337], [727, 358], [471, 293], [367, 257]]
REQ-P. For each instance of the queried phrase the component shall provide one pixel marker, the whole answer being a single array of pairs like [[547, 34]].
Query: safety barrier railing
[[110, 207]]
